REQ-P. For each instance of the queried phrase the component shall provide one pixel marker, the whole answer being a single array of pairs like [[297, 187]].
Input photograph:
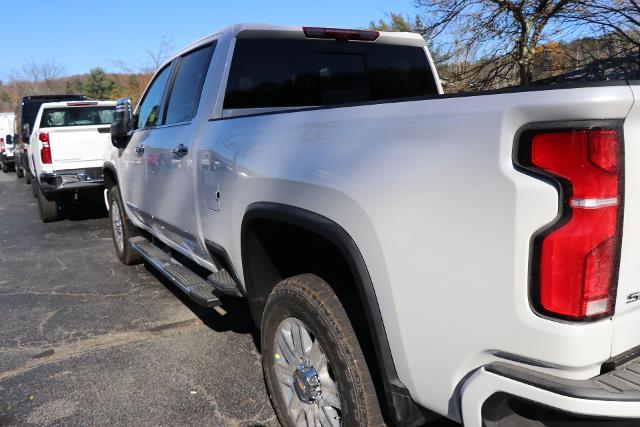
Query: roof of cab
[[78, 104], [255, 30]]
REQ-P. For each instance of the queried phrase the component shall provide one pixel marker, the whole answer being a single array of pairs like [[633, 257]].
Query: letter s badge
[[634, 297]]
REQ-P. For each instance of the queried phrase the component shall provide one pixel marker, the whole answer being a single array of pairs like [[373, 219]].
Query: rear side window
[[151, 106], [86, 116], [298, 73], [187, 86]]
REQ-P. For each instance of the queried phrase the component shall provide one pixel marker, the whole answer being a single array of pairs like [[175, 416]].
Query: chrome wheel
[[116, 223], [307, 384]]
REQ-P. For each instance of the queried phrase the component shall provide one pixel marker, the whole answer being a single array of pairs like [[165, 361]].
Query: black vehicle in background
[[25, 119]]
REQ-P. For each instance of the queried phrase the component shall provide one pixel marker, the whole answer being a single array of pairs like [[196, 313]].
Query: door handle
[[181, 150], [140, 149]]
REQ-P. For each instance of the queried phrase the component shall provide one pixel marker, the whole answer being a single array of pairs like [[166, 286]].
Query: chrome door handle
[[140, 149], [181, 150]]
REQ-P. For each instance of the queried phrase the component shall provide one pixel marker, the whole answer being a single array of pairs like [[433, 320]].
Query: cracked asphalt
[[85, 340]]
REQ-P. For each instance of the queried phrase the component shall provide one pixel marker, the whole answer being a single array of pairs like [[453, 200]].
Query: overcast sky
[[82, 34]]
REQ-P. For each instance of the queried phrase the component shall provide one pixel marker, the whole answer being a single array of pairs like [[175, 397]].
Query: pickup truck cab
[[404, 252], [66, 150]]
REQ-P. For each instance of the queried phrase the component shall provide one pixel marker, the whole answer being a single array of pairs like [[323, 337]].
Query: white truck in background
[[403, 252], [7, 132], [66, 150]]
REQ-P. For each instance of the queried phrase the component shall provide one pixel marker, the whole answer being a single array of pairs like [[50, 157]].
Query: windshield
[[87, 116]]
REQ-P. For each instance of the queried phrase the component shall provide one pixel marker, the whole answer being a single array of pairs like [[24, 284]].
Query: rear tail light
[[340, 34], [45, 151], [575, 260], [81, 104]]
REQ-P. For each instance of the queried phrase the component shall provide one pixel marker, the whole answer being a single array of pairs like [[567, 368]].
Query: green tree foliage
[[399, 23], [97, 85], [74, 86]]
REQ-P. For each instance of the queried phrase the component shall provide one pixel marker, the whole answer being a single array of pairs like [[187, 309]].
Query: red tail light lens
[[45, 151], [340, 34], [575, 260]]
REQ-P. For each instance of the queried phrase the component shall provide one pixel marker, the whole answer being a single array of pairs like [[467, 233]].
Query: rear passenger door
[[171, 179]]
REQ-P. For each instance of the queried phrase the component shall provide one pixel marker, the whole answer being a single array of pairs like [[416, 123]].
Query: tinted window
[[151, 106], [187, 86], [294, 73], [58, 117]]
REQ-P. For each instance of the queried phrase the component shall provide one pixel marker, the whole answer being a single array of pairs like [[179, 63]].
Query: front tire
[[49, 209], [122, 229], [314, 367]]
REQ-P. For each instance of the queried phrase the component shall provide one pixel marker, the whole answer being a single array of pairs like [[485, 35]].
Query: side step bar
[[224, 283], [198, 289]]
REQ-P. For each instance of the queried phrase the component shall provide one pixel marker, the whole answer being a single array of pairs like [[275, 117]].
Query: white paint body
[[428, 192], [7, 127], [72, 147]]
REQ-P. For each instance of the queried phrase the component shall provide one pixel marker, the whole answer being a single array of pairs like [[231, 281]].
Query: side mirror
[[9, 139], [26, 133], [122, 125]]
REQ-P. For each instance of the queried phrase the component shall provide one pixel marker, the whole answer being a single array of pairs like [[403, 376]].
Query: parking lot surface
[[85, 340]]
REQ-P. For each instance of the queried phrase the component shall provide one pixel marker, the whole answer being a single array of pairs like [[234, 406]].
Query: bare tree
[[496, 40], [155, 58], [36, 77], [619, 20]]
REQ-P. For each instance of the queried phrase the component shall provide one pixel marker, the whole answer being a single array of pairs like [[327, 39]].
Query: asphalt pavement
[[85, 340]]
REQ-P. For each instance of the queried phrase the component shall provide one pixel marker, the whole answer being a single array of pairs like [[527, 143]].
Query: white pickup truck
[[403, 252], [66, 150], [7, 147]]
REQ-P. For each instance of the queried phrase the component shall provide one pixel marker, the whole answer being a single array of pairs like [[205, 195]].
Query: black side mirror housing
[[26, 133], [122, 125], [9, 139]]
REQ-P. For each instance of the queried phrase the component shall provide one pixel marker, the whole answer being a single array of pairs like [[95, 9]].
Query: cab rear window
[[297, 73], [86, 116]]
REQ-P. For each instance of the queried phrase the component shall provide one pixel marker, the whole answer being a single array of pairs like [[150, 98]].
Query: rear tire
[[34, 187], [122, 229], [313, 364], [49, 209]]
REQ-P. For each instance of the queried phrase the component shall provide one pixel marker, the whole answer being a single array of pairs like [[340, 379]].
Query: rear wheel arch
[[280, 241], [110, 176]]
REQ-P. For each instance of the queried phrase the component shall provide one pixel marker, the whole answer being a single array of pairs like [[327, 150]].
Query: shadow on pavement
[[90, 205], [235, 315]]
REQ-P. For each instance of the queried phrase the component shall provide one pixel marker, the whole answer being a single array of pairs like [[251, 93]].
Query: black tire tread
[[49, 209], [128, 256], [320, 295]]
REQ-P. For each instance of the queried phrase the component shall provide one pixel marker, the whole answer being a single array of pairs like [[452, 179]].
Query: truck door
[[135, 159], [171, 175]]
